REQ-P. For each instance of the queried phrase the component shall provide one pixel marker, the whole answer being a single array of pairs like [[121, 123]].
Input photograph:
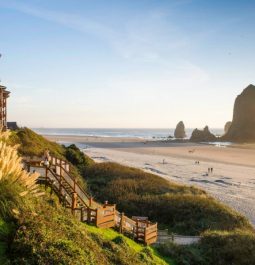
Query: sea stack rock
[[203, 135], [227, 126], [242, 128], [179, 132]]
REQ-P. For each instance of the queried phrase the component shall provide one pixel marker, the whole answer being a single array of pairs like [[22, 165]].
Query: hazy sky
[[125, 63]]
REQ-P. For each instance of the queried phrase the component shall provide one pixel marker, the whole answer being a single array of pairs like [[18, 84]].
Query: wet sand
[[232, 180]]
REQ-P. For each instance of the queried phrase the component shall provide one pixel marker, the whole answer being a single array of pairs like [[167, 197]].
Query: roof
[[12, 125], [4, 91]]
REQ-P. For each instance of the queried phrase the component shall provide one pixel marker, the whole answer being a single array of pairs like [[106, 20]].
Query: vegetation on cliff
[[38, 230], [227, 237]]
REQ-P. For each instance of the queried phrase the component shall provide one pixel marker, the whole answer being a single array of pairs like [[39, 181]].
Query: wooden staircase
[[55, 173]]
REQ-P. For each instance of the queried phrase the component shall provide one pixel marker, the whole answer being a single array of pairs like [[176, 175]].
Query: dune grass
[[181, 209]]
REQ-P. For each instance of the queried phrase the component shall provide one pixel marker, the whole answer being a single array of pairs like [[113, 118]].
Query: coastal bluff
[[242, 128]]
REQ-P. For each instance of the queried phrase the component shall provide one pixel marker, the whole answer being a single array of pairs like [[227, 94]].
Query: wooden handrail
[[60, 165], [71, 177], [56, 177], [77, 184]]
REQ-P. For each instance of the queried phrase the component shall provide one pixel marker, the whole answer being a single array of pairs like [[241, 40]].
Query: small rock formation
[[179, 132], [202, 135], [227, 126], [243, 124]]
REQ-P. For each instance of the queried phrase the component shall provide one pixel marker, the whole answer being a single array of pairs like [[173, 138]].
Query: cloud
[[144, 37], [69, 20]]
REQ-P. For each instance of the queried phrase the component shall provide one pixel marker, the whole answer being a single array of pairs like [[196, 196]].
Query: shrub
[[221, 248]]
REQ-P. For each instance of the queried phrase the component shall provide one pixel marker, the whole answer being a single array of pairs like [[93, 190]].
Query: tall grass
[[15, 182], [11, 168], [181, 209]]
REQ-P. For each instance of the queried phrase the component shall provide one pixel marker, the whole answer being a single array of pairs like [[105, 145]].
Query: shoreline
[[233, 180]]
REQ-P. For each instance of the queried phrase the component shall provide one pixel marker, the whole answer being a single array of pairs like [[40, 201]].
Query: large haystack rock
[[203, 135], [242, 128], [227, 126], [179, 132]]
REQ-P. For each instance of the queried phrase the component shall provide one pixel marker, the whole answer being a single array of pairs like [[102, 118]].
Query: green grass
[[111, 235]]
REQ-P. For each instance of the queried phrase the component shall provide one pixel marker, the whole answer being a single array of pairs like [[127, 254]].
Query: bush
[[236, 247], [221, 248], [77, 158]]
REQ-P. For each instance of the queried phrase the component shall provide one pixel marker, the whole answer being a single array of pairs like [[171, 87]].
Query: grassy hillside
[[48, 234], [45, 233], [36, 229], [32, 144], [182, 209], [228, 238]]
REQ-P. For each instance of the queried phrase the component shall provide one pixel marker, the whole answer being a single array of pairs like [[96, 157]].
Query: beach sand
[[232, 180]]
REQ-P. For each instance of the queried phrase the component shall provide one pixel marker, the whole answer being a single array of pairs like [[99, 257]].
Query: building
[[12, 125], [4, 94]]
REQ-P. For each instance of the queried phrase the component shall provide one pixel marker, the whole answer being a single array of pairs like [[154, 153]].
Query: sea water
[[106, 132]]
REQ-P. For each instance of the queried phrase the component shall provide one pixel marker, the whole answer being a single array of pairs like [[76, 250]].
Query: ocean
[[106, 132]]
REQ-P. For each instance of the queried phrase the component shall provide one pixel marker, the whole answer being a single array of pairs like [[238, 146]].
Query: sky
[[125, 63]]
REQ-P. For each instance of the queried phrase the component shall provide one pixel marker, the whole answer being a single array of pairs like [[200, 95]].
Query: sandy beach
[[232, 180]]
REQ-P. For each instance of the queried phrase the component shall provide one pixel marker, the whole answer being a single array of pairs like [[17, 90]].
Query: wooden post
[[137, 232], [96, 217], [145, 235], [52, 184], [90, 201], [74, 202], [88, 215], [82, 214], [74, 185], [122, 216], [46, 178]]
